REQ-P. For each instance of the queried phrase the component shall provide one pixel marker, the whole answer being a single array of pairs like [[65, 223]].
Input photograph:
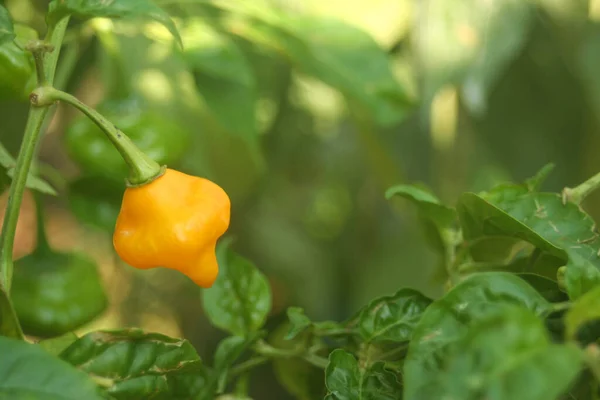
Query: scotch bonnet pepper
[[173, 222]]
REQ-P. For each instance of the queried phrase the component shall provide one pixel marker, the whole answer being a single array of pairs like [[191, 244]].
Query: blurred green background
[[306, 112]]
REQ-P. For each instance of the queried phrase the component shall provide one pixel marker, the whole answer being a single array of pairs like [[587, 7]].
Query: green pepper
[[55, 292], [164, 140], [17, 68]]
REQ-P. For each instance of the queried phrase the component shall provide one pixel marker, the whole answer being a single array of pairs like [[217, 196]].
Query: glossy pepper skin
[[161, 138], [173, 222]]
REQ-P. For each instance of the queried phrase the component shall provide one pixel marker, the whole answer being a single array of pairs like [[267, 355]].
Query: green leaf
[[561, 230], [470, 43], [139, 364], [58, 344], [130, 9], [393, 318], [35, 183], [228, 351], [339, 54], [504, 355], [240, 298], [346, 380], [7, 32], [224, 77], [438, 219], [448, 320], [546, 287], [429, 205], [585, 310], [30, 373], [299, 322]]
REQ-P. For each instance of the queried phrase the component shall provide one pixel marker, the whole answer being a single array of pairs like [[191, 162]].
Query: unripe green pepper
[[55, 292], [162, 139], [17, 68]]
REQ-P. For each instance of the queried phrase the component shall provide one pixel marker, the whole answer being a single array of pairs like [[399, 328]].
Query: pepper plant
[[518, 319]]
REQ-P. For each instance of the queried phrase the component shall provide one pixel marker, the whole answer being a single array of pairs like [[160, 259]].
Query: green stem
[[579, 193], [9, 322], [248, 365], [15, 196], [267, 350], [55, 36], [142, 169]]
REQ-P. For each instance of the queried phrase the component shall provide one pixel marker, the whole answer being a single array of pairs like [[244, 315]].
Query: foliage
[[518, 316]]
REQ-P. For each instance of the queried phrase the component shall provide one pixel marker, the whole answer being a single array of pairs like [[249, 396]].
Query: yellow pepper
[[173, 222]]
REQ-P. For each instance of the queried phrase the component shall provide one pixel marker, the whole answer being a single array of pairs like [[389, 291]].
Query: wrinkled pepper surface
[[173, 222]]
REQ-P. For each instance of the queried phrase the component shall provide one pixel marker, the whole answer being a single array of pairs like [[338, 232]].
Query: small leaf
[[6, 159], [299, 322], [345, 380], [30, 372], [496, 356], [438, 219], [58, 344], [35, 183], [429, 205], [139, 364], [240, 298], [585, 310], [449, 319], [112, 9], [393, 318], [7, 32]]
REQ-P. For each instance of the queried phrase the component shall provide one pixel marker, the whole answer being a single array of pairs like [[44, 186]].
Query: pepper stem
[[579, 193], [142, 169]]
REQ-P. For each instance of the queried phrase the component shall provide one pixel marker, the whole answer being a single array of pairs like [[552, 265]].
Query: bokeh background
[[307, 127]]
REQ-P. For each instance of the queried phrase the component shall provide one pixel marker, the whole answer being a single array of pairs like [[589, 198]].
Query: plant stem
[[9, 322], [248, 365], [142, 169], [15, 196], [267, 350], [579, 193]]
